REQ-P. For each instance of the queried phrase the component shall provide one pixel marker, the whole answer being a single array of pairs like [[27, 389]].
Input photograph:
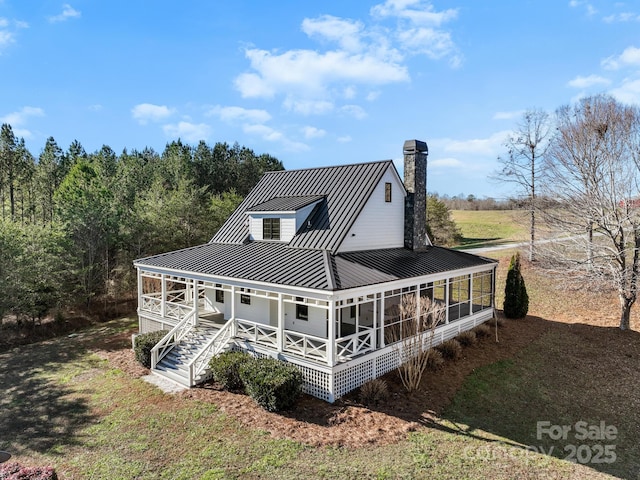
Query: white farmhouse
[[311, 269]]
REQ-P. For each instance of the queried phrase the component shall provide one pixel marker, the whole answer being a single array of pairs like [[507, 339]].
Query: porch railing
[[257, 333], [172, 338], [213, 347], [306, 345], [151, 303], [176, 310], [356, 344]]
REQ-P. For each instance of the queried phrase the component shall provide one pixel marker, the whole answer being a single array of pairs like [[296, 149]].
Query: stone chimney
[[415, 182]]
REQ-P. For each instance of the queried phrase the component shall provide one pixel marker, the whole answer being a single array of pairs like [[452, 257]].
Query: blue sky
[[312, 83]]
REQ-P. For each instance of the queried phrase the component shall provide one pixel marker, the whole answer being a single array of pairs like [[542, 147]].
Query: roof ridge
[[327, 167]]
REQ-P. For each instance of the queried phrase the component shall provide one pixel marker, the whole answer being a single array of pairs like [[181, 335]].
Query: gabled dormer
[[280, 218]]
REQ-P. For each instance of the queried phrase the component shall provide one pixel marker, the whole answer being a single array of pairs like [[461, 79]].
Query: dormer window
[[271, 228]]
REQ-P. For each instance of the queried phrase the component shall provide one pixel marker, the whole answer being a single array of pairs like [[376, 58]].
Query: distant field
[[482, 228]]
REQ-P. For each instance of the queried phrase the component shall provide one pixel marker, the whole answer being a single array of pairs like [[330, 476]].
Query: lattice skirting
[[146, 325], [328, 383]]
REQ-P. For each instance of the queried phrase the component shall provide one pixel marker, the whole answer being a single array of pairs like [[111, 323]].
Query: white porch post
[[196, 320], [163, 293], [280, 332], [447, 285], [331, 333], [382, 320], [139, 275], [234, 328]]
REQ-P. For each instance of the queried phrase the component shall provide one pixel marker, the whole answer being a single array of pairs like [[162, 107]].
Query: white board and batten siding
[[316, 325], [287, 226], [380, 224]]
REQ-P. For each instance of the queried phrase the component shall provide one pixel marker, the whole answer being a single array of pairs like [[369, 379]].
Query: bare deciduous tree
[[413, 336], [523, 165], [594, 175]]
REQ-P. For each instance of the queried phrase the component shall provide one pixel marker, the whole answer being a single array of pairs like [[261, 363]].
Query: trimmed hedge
[[144, 343], [225, 369], [15, 471], [274, 385]]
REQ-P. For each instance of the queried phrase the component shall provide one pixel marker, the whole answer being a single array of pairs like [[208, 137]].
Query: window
[[245, 299], [219, 296], [387, 192], [271, 228], [302, 312]]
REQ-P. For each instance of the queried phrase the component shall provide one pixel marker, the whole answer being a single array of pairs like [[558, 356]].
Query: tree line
[[579, 171], [72, 222]]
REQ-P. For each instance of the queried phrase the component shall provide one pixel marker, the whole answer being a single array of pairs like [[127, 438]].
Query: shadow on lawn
[[572, 393], [35, 414]]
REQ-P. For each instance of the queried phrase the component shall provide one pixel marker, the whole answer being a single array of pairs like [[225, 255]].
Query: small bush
[[451, 349], [144, 343], [482, 331], [274, 385], [226, 369], [15, 471], [435, 360], [374, 392], [467, 338]]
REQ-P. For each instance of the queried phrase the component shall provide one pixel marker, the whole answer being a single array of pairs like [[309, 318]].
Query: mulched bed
[[347, 422]]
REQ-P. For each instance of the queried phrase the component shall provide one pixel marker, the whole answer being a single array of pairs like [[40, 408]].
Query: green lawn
[[64, 405], [482, 228]]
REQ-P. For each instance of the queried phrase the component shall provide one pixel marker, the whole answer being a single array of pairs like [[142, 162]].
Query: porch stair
[[187, 361]]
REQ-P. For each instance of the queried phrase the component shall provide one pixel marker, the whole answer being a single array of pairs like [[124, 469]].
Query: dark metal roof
[[276, 263], [285, 204], [270, 262], [346, 189], [354, 269]]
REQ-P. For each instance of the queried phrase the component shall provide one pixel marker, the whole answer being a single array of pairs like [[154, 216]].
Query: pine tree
[[516, 299]]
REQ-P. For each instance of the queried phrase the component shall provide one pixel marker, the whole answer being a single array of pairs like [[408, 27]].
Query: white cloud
[[19, 119], [591, 10], [431, 42], [239, 114], [67, 12], [6, 38], [96, 107], [309, 73], [4, 23], [271, 135], [188, 131], [448, 162], [621, 17], [346, 33], [313, 132], [416, 11], [308, 107], [371, 96], [630, 56], [490, 146], [508, 115], [148, 112], [628, 92], [590, 81], [344, 139], [355, 111], [353, 54]]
